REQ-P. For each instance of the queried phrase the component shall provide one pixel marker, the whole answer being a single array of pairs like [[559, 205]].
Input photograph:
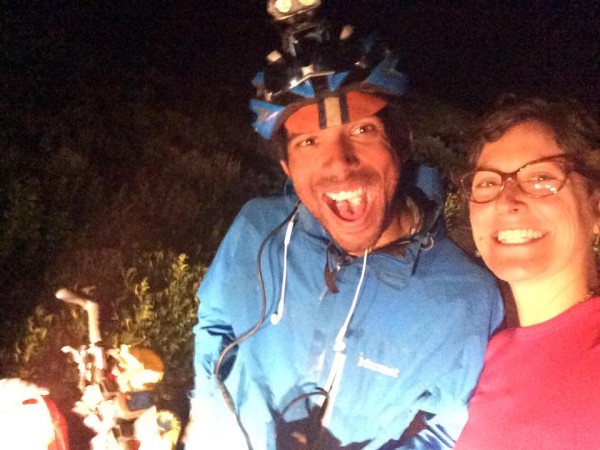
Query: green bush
[[155, 306], [158, 312]]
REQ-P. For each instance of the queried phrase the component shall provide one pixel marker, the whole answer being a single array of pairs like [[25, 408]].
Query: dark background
[[464, 51]]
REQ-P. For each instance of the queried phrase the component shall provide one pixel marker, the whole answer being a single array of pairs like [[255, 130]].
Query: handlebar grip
[[90, 306], [68, 296]]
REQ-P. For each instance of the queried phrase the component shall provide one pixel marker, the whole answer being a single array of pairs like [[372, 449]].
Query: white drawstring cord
[[339, 340], [339, 348], [277, 316]]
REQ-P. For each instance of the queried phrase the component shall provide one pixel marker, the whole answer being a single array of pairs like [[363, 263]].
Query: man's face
[[346, 175]]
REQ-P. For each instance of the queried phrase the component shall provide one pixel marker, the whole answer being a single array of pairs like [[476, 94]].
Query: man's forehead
[[332, 111]]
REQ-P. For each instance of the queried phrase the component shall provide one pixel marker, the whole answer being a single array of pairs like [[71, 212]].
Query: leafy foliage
[[156, 308], [159, 313]]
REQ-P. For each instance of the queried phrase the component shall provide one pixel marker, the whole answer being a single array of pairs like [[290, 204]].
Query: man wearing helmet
[[333, 314], [346, 174]]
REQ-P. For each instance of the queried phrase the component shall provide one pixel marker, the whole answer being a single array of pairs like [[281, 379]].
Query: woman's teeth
[[518, 236]]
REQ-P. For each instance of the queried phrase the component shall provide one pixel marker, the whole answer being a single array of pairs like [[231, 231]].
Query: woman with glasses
[[534, 204]]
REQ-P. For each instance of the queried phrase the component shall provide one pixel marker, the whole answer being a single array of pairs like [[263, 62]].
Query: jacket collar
[[404, 252]]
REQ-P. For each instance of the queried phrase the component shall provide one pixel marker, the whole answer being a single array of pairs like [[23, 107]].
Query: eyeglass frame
[[569, 167]]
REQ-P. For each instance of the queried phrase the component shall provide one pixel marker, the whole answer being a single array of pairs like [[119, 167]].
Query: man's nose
[[341, 153]]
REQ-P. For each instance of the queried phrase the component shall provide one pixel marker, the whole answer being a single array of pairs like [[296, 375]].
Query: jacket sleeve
[[226, 296], [212, 423], [446, 405], [441, 431]]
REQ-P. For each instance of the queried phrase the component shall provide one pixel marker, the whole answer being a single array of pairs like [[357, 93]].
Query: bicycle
[[116, 401]]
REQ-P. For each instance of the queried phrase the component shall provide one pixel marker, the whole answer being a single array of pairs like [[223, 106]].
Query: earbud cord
[[224, 391], [277, 316], [339, 349]]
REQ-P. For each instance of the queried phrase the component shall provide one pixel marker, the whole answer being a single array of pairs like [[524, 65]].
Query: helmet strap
[[333, 111]]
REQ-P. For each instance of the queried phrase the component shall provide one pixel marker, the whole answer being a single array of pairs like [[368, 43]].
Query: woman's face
[[527, 239]]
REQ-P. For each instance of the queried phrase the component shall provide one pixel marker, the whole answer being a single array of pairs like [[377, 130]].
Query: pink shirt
[[540, 387]]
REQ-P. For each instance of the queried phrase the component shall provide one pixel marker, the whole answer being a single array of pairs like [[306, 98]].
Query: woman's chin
[[514, 270]]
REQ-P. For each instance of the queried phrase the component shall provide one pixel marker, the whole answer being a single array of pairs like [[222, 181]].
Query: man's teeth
[[354, 197], [518, 236]]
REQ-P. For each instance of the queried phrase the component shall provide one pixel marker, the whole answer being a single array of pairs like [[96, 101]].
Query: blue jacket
[[415, 340]]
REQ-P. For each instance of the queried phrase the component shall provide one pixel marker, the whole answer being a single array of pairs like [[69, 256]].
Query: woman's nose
[[509, 197]]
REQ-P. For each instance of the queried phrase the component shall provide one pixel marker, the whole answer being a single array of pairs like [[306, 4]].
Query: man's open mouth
[[347, 205]]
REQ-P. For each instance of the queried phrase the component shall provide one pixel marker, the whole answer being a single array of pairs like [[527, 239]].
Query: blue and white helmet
[[291, 80]]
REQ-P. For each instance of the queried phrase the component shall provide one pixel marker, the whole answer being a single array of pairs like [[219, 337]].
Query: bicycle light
[[283, 10]]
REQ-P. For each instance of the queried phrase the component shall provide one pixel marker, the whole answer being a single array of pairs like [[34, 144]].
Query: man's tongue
[[348, 210]]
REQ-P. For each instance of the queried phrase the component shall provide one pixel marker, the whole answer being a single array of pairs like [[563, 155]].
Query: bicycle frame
[[101, 401]]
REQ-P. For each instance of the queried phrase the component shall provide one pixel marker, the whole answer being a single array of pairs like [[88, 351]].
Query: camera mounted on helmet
[[290, 11], [318, 59]]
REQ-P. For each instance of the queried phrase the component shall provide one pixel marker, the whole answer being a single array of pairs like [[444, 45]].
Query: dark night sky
[[466, 51]]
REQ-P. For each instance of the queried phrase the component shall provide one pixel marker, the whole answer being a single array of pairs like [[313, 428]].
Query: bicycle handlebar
[[90, 306]]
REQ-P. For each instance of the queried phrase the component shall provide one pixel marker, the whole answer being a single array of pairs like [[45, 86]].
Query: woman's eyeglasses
[[539, 178]]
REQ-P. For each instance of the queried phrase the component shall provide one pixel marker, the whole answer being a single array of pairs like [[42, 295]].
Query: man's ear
[[408, 145], [285, 167]]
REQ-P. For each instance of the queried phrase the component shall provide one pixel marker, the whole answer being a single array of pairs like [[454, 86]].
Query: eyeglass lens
[[538, 179]]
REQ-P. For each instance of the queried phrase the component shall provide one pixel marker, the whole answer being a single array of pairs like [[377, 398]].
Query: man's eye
[[307, 142], [362, 129]]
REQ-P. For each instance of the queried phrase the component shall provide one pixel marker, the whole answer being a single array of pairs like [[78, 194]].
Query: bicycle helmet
[[314, 66], [137, 369]]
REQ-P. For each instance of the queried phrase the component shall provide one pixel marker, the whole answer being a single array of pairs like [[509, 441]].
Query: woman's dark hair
[[575, 128]]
